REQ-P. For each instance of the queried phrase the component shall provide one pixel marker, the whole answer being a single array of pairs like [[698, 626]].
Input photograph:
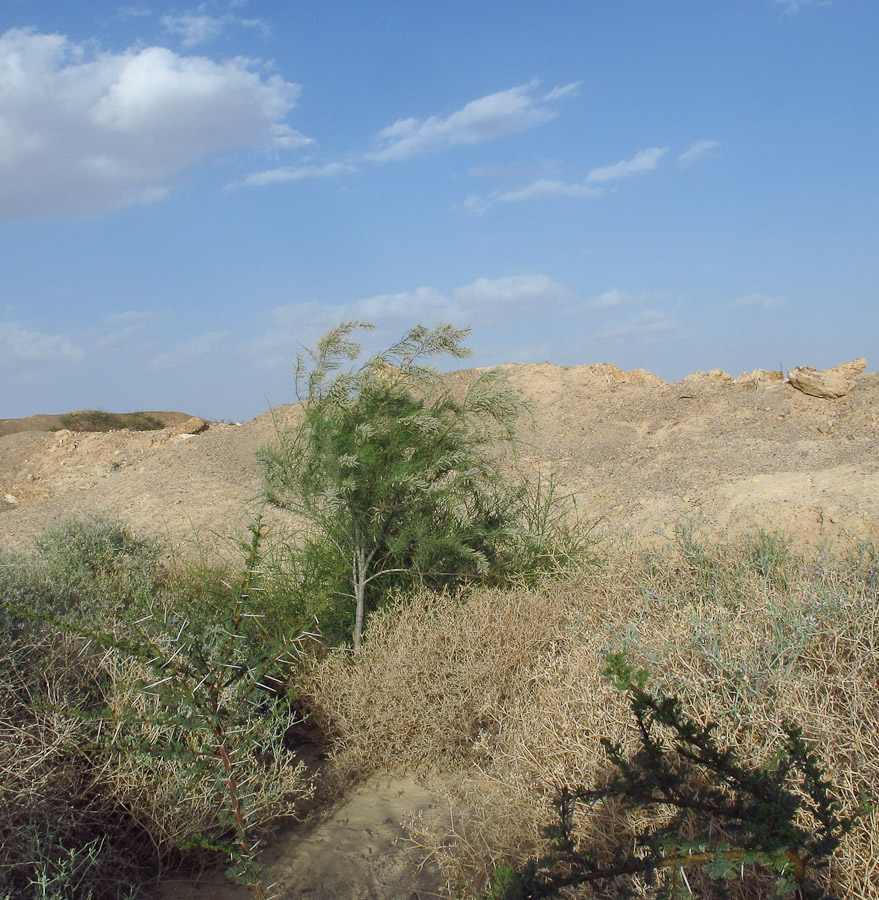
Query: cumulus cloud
[[699, 150], [483, 302], [85, 133], [21, 345], [294, 173], [485, 119], [643, 161]]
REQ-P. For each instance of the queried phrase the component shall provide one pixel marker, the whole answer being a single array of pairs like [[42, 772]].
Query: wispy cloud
[[294, 173], [483, 302], [198, 28], [608, 300], [116, 330], [21, 345], [643, 161], [758, 301], [133, 12], [184, 352], [699, 150], [485, 119], [592, 185], [794, 6], [544, 187], [565, 90], [649, 326], [85, 133]]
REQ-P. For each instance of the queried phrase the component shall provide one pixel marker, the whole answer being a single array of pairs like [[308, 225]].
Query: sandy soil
[[355, 850], [640, 454]]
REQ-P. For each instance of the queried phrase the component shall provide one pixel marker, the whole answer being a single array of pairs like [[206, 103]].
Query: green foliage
[[549, 536], [98, 420], [59, 873], [95, 566], [215, 691], [793, 601], [697, 806], [159, 714], [62, 833], [770, 555], [506, 884], [391, 469]]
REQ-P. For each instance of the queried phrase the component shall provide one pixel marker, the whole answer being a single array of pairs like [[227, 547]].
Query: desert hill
[[640, 454]]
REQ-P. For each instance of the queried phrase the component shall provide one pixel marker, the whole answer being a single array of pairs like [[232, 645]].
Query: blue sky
[[188, 194]]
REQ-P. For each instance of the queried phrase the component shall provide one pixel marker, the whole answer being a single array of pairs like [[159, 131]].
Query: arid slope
[[640, 454]]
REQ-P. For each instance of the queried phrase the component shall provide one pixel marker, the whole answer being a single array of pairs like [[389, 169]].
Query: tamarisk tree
[[390, 468]]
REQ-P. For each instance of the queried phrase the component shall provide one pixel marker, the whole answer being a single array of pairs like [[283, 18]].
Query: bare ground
[[640, 454]]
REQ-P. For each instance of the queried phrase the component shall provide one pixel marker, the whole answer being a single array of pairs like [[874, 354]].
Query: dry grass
[[505, 691]]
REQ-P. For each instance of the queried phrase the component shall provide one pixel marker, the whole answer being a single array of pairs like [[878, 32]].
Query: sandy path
[[354, 851]]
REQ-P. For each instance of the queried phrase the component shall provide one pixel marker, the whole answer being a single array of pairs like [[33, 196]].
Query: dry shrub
[[178, 798], [505, 690], [58, 824], [432, 689]]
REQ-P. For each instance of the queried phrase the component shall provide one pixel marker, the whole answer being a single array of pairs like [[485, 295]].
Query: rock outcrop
[[760, 376], [828, 384]]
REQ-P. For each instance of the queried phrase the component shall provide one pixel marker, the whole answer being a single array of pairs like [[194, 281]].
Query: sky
[[192, 194]]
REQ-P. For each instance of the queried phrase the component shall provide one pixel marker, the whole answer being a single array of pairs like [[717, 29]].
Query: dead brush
[[60, 832], [431, 689], [505, 691]]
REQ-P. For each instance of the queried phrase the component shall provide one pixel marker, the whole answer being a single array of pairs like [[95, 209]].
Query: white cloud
[[648, 327], [794, 6], [294, 173], [548, 187], [198, 28], [133, 12], [591, 186], [499, 170], [699, 150], [608, 300], [85, 133], [485, 119], [758, 301], [643, 161], [474, 205], [485, 301], [201, 345], [565, 90], [614, 299], [116, 330], [20, 345]]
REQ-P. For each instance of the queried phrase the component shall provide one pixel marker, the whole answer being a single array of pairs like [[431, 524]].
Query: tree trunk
[[359, 575]]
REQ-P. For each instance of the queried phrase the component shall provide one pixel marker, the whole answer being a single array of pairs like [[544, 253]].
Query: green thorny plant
[[213, 685], [714, 811]]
